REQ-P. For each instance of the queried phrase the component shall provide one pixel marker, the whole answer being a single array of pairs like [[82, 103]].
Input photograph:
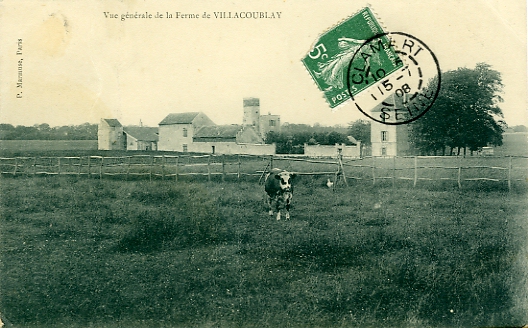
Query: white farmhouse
[[176, 130], [389, 140]]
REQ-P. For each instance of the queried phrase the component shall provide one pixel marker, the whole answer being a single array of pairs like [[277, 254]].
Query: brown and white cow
[[279, 187]]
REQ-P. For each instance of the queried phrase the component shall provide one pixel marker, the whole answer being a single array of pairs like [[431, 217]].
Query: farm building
[[230, 139], [389, 140], [261, 123], [111, 135], [195, 132], [141, 138], [176, 130]]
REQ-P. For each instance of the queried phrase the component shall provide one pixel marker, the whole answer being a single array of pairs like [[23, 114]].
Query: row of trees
[[293, 143], [84, 131]]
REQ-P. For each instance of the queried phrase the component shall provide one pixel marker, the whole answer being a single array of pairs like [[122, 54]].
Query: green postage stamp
[[339, 55]]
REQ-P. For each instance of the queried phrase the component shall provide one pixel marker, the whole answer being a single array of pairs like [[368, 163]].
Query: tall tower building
[[251, 112]]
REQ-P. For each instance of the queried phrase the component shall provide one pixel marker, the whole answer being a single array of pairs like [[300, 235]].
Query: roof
[[218, 131], [390, 101], [179, 118], [352, 140], [112, 122], [251, 102], [142, 133]]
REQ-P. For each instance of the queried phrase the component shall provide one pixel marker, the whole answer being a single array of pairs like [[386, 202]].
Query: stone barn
[[176, 130], [141, 138], [230, 139], [110, 135]]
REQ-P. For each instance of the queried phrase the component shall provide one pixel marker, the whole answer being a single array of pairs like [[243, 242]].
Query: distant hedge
[[84, 131]]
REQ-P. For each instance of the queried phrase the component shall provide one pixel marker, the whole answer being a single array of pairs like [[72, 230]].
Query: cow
[[279, 187]]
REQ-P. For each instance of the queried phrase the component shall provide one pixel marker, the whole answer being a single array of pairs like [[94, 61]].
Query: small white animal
[[329, 183]]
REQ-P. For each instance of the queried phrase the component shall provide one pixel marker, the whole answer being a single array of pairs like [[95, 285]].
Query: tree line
[[43, 131], [292, 137]]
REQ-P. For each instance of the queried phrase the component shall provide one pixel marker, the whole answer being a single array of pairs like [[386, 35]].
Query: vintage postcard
[[263, 163]]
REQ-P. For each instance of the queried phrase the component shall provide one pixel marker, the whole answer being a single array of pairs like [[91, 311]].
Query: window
[[185, 147], [271, 123], [185, 132], [384, 135], [383, 151]]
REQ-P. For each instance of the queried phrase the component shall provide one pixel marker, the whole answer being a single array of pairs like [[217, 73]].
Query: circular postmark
[[404, 94]]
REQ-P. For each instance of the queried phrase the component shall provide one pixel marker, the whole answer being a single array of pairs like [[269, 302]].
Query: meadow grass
[[108, 253]]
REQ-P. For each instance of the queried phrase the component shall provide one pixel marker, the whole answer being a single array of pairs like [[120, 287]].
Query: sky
[[79, 65]]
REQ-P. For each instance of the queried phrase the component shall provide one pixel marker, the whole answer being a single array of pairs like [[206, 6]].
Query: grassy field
[[24, 146], [92, 253]]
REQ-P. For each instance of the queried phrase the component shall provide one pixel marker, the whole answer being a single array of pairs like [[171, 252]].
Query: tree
[[465, 114], [519, 128], [360, 130]]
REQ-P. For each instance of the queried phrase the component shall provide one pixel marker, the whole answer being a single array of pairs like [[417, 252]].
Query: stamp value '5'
[[335, 50]]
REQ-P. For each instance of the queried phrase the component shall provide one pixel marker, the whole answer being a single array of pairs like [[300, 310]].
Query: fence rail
[[407, 168]]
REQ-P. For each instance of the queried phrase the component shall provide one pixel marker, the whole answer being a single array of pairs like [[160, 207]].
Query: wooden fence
[[414, 169]]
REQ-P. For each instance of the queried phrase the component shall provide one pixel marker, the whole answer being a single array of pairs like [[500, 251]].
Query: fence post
[[415, 170], [459, 180], [128, 167], [163, 167], [223, 168], [238, 170], [177, 164], [509, 172], [271, 163], [35, 166], [151, 166], [209, 168], [373, 170], [16, 166], [393, 170], [89, 167], [101, 168], [59, 165]]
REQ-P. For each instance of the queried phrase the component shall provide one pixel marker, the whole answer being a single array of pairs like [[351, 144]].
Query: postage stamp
[[405, 95], [335, 51]]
